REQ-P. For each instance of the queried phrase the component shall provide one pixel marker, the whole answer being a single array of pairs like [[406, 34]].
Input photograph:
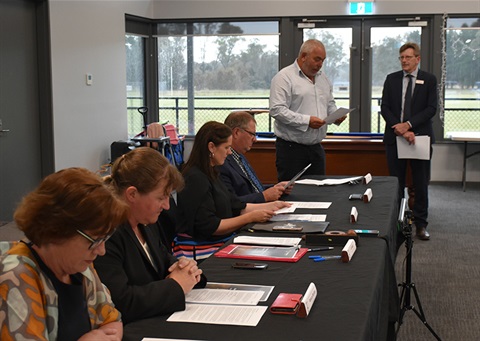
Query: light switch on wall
[[89, 79]]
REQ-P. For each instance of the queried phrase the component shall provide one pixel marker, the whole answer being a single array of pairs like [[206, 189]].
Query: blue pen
[[323, 258]]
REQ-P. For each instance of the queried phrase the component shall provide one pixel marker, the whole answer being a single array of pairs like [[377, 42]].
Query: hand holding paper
[[409, 136], [339, 113], [419, 150]]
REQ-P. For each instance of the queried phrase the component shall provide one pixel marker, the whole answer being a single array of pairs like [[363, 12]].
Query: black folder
[[300, 227]]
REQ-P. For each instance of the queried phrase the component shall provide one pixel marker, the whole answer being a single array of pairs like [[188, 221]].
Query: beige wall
[[89, 37], [267, 8]]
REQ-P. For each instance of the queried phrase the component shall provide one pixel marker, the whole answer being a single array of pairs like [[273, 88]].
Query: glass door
[[341, 55], [361, 52], [384, 43]]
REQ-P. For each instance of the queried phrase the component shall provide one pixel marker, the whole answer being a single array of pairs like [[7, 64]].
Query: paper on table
[[327, 181], [420, 150], [274, 241], [219, 314], [313, 204], [340, 112], [223, 296], [299, 217], [266, 289]]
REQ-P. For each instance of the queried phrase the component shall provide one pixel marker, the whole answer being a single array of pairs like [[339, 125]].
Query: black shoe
[[422, 233]]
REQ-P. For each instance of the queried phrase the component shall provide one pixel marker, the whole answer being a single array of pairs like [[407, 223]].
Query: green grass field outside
[[207, 109]]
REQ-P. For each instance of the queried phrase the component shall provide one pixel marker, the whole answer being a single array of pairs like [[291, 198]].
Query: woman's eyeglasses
[[94, 242]]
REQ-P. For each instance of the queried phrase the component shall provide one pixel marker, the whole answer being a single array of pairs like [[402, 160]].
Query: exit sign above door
[[360, 7]]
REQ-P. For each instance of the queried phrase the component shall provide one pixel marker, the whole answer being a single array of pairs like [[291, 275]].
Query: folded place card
[[307, 301], [367, 178], [367, 196], [348, 251], [353, 215]]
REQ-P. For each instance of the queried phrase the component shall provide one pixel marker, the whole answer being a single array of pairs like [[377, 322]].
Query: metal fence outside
[[175, 110]]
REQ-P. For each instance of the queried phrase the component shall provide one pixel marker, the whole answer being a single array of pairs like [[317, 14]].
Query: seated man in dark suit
[[236, 172]]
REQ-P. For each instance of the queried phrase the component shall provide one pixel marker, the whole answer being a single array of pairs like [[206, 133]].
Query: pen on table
[[323, 258], [320, 249]]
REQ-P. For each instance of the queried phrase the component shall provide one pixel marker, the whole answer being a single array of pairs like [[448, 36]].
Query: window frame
[[290, 40]]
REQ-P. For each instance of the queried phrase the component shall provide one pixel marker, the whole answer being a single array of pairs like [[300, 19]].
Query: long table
[[344, 155], [356, 300], [465, 137]]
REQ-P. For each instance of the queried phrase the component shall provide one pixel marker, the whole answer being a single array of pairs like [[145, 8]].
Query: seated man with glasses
[[237, 174]]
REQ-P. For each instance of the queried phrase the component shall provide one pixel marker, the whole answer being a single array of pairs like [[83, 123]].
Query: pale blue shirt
[[294, 98]]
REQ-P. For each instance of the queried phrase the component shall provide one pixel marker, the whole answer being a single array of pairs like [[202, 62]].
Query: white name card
[[307, 301], [367, 196], [353, 215], [348, 251], [367, 178]]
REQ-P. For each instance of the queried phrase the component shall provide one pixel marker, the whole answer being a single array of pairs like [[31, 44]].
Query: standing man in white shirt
[[300, 99]]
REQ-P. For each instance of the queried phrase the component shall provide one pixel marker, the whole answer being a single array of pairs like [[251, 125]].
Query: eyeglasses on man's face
[[253, 135], [406, 57], [94, 242]]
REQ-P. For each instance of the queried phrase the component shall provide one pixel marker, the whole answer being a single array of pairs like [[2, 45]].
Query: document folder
[[256, 252], [300, 227]]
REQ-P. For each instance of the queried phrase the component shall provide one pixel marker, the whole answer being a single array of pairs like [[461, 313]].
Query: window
[[337, 43], [207, 70], [203, 70], [360, 54], [135, 46], [385, 43], [462, 82]]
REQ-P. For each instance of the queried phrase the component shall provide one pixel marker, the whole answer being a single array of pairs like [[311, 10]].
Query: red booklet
[[286, 303], [256, 252]]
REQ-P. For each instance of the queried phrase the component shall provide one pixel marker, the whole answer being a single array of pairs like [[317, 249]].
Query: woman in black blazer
[[143, 277], [207, 209]]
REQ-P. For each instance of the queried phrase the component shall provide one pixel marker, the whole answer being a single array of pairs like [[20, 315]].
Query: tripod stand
[[408, 285]]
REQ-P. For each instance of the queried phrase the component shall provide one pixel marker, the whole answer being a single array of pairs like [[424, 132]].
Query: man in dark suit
[[409, 102], [237, 174]]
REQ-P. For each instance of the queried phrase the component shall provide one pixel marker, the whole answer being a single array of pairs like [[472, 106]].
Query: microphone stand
[[408, 285]]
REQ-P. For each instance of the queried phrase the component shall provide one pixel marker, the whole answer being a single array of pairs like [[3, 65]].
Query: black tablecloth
[[356, 300]]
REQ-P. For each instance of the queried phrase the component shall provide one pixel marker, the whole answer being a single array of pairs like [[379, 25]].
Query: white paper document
[[328, 181], [273, 241], [266, 289], [223, 296], [219, 314], [299, 217], [313, 204], [298, 175], [420, 150], [287, 209], [339, 113]]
